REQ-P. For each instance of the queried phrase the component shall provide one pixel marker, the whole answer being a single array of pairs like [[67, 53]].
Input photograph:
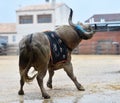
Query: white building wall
[[24, 29], [61, 15]]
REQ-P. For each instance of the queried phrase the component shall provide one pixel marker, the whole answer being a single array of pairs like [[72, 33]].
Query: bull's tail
[[24, 73]]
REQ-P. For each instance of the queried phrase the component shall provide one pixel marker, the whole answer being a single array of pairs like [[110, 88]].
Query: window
[[27, 19], [46, 18], [14, 38]]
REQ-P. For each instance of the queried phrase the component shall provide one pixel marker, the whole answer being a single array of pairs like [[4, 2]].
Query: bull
[[35, 51]]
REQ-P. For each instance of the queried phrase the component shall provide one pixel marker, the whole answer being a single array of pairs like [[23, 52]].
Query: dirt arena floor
[[99, 74]]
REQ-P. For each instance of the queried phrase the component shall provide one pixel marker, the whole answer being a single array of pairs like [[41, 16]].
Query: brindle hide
[[35, 52]]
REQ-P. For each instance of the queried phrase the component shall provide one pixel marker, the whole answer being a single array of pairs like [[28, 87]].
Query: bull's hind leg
[[22, 65], [40, 77], [21, 92], [69, 70], [49, 82]]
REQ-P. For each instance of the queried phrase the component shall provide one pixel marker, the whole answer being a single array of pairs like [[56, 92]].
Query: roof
[[45, 6], [104, 17], [7, 28]]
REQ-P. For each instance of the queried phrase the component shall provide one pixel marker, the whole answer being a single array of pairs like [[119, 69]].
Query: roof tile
[[8, 28]]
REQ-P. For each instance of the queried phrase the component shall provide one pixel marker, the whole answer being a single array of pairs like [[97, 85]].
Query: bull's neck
[[69, 36]]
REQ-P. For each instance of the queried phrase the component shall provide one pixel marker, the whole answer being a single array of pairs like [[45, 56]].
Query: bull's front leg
[[69, 70], [40, 78], [49, 82]]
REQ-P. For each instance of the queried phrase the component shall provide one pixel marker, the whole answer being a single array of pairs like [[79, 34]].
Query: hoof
[[49, 85], [21, 92], [46, 96], [81, 88]]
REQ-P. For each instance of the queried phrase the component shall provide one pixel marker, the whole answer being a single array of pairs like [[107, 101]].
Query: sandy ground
[[99, 74]]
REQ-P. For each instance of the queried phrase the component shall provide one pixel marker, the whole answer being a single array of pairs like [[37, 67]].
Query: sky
[[83, 9]]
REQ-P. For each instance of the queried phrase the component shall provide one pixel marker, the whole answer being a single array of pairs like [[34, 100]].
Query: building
[[107, 38], [103, 18], [8, 41], [8, 32], [34, 18], [38, 18]]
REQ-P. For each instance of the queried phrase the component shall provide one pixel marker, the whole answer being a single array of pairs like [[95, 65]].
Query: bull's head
[[84, 31]]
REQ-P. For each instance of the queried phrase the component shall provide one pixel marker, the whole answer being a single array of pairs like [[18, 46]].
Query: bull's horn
[[70, 18], [78, 27]]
